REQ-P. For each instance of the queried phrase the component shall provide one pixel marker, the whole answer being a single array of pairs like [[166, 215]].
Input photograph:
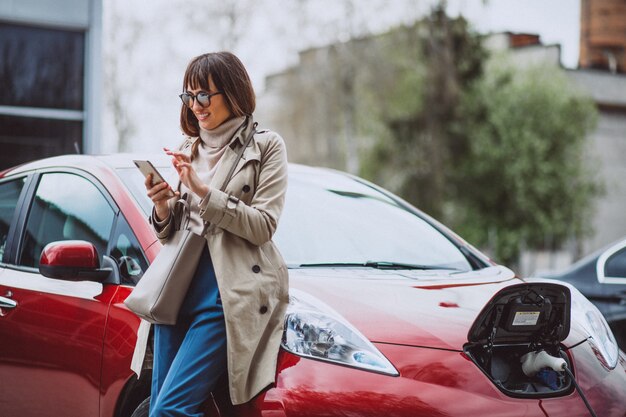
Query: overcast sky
[[165, 36]]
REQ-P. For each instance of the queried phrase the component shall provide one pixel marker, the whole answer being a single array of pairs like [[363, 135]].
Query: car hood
[[433, 309]]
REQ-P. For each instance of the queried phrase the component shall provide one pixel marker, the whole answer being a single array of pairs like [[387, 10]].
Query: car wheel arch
[[135, 392]]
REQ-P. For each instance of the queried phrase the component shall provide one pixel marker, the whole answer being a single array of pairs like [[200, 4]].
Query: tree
[[524, 177], [118, 53], [225, 22], [494, 150], [137, 76], [423, 112], [340, 70]]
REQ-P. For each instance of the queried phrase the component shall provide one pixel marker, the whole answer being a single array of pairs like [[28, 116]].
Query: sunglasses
[[203, 98]]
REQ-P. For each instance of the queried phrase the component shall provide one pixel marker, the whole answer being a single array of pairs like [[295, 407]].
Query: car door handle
[[7, 303]]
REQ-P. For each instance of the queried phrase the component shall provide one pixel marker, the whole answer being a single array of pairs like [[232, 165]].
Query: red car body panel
[[57, 363], [418, 320], [409, 307], [119, 345], [391, 309]]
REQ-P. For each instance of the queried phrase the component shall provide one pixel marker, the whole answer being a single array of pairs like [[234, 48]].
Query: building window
[[25, 139], [41, 92]]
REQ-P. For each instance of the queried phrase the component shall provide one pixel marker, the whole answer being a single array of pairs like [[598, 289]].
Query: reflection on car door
[[52, 340]]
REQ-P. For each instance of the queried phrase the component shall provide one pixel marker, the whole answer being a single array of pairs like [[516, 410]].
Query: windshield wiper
[[376, 264], [400, 265]]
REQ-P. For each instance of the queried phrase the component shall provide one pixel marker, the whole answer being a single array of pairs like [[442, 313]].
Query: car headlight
[[602, 339], [314, 330]]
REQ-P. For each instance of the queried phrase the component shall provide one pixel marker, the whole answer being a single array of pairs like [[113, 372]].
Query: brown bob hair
[[229, 76]]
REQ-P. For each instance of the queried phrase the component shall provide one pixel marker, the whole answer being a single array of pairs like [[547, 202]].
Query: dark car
[[390, 312], [601, 277]]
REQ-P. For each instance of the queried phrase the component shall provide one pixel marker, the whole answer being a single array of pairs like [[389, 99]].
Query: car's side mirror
[[72, 260]]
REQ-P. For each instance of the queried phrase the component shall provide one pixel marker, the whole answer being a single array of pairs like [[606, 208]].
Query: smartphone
[[147, 168]]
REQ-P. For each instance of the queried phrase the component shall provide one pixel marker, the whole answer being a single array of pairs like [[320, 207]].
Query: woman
[[232, 316]]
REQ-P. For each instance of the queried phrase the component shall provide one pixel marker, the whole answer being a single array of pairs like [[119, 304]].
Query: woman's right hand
[[159, 194]]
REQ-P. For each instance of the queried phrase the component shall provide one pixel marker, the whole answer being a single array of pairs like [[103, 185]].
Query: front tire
[[143, 410]]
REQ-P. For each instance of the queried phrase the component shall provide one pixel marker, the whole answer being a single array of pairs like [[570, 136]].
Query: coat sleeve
[[257, 222], [162, 228]]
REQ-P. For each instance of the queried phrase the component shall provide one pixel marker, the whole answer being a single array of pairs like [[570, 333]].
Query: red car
[[391, 313]]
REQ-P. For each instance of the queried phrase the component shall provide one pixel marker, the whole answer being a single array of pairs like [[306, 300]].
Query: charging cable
[[533, 362], [580, 392]]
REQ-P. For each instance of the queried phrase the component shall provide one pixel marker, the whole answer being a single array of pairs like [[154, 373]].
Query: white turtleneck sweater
[[212, 146]]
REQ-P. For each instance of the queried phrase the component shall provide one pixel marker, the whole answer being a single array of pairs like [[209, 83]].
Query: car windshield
[[331, 219]]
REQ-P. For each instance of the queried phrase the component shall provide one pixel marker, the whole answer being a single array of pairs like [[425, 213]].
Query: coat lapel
[[226, 162], [251, 153]]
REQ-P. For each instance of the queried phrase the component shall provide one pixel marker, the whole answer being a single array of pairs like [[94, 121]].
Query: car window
[[66, 207], [9, 195], [616, 265], [334, 219], [126, 251], [133, 179]]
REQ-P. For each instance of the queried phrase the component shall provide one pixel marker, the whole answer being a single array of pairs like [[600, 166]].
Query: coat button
[[256, 269], [246, 188], [263, 309]]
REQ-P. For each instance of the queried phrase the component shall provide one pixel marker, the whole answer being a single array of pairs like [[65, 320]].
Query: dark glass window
[[66, 207], [134, 180], [127, 253], [24, 139], [9, 194], [616, 265], [41, 67]]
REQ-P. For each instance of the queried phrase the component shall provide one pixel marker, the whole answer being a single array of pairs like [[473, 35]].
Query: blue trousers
[[190, 356]]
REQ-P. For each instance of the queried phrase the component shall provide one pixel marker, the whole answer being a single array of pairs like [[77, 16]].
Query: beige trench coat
[[250, 272]]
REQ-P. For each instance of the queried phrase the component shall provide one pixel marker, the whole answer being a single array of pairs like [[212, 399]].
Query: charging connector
[[533, 362]]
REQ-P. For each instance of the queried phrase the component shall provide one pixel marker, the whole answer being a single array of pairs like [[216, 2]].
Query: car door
[[51, 341]]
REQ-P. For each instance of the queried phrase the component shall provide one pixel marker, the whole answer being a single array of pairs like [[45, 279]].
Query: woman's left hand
[[186, 173]]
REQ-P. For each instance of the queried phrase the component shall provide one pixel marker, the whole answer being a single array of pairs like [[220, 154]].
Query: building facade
[[603, 35], [50, 78], [602, 74]]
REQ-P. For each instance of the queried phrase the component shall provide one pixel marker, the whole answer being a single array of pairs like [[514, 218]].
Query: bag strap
[[239, 155], [205, 229], [182, 206]]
